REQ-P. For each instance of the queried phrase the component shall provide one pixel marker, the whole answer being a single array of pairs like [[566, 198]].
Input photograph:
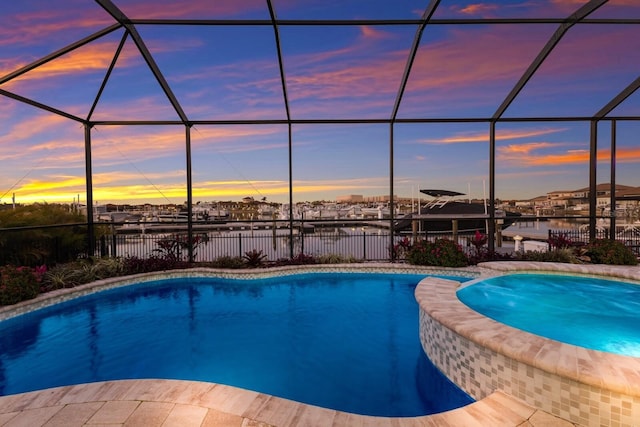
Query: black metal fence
[[210, 246], [629, 236], [51, 245], [54, 244], [43, 244]]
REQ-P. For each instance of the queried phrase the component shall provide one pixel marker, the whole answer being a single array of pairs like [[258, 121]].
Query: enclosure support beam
[[283, 81], [593, 179], [40, 105], [579, 15], [392, 253], [612, 200], [618, 99], [290, 192], [190, 240], [491, 228], [89, 184], [124, 20]]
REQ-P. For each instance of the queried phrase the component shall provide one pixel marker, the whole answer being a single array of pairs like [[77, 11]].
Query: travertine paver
[[115, 412], [150, 414], [251, 409], [185, 415], [33, 417], [541, 418], [76, 414], [4, 418], [222, 419]]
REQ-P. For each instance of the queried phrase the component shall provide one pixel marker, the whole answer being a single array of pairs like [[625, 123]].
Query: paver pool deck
[[177, 403]]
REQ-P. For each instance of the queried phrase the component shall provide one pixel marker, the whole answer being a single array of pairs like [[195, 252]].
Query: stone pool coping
[[482, 355]]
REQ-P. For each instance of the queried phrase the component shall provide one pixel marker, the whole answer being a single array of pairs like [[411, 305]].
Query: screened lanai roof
[[504, 92]]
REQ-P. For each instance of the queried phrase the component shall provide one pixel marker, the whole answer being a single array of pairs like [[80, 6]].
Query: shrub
[[46, 245], [401, 248], [18, 284], [441, 253], [134, 265], [62, 276], [254, 258], [481, 253], [335, 259], [606, 251], [302, 259], [478, 241], [176, 247], [485, 255], [566, 255], [559, 241], [228, 262]]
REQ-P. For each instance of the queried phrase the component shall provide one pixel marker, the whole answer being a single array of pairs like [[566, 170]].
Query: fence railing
[[364, 246], [51, 245], [54, 244], [630, 237]]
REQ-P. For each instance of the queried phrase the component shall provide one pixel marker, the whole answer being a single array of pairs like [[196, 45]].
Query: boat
[[438, 214]]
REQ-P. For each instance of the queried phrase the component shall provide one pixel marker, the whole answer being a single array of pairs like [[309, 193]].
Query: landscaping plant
[[19, 284]]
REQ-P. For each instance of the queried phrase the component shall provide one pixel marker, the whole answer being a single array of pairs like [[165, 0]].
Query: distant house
[[628, 198], [351, 198], [580, 197]]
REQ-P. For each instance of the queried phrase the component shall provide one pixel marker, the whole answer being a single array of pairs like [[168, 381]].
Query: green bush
[[61, 276], [605, 251], [43, 234], [335, 259], [564, 254], [227, 261], [254, 258], [440, 253], [135, 265], [18, 284]]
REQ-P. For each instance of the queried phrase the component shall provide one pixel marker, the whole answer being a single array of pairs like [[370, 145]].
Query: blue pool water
[[594, 313], [344, 341]]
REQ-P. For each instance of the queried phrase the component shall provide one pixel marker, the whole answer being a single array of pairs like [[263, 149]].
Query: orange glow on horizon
[[63, 191]]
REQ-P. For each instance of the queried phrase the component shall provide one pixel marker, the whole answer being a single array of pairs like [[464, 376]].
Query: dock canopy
[[441, 193]]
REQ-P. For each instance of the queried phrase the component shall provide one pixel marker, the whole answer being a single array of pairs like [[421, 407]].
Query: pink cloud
[[155, 9], [372, 33], [527, 155], [478, 9], [484, 136], [32, 27]]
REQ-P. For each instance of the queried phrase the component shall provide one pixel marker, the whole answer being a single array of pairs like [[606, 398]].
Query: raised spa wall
[[480, 355]]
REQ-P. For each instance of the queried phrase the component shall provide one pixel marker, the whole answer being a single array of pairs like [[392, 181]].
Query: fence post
[[240, 243], [364, 245], [113, 240], [103, 246]]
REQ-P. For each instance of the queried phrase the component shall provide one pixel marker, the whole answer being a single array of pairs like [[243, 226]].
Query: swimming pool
[[345, 341], [595, 313]]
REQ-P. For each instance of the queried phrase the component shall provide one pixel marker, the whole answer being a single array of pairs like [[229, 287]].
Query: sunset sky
[[346, 72]]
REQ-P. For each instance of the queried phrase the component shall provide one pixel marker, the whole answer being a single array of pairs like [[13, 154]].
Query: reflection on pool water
[[345, 341], [594, 313]]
